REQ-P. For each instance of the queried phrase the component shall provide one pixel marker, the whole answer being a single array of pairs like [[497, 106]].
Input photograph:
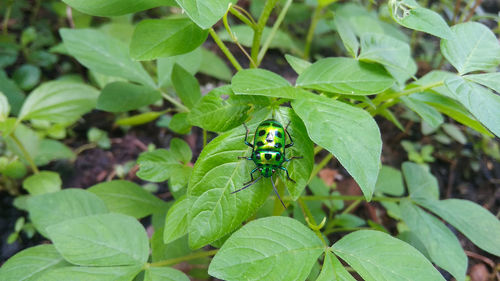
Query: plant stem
[[26, 153], [307, 214], [235, 40], [248, 21], [6, 18], [264, 16], [312, 27], [225, 50], [276, 25], [204, 138], [343, 197], [317, 168], [473, 10], [179, 105], [184, 258]]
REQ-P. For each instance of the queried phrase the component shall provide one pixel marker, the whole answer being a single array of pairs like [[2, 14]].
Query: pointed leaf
[[490, 80], [299, 65], [191, 62], [213, 65], [164, 274], [272, 248], [102, 273], [333, 270], [347, 35], [390, 181], [186, 86], [428, 113], [348, 133], [204, 13], [124, 96], [421, 183], [176, 222], [157, 165], [43, 182], [110, 8]]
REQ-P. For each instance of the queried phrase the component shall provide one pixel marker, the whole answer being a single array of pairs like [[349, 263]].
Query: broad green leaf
[[27, 76], [379, 256], [53, 208], [440, 243], [176, 222], [191, 62], [127, 198], [472, 47], [140, 119], [50, 150], [347, 35], [214, 113], [490, 80], [124, 96], [180, 124], [97, 273], [59, 102], [179, 180], [481, 102], [436, 77], [333, 270], [217, 173], [204, 13], [104, 54], [265, 83], [14, 95], [348, 133], [299, 169], [272, 248], [154, 38], [298, 64], [428, 113], [164, 274], [345, 76], [474, 221], [454, 131], [214, 66], [390, 181], [385, 50], [175, 249], [110, 8], [27, 137], [157, 165], [101, 240], [181, 150], [4, 107], [421, 183], [186, 86], [30, 264], [43, 182], [409, 14]]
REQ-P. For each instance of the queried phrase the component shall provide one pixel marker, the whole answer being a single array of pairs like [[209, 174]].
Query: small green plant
[[330, 110]]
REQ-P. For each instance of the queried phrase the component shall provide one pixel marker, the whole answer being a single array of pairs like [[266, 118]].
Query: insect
[[268, 152]]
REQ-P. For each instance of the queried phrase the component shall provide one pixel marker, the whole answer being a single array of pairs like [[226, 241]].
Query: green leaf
[[154, 38], [390, 181], [204, 13], [101, 240], [127, 198], [490, 80], [110, 8], [83, 273], [481, 102], [59, 102], [347, 35], [175, 249], [30, 264], [186, 86], [421, 183], [299, 169], [157, 165], [4, 107], [164, 274], [345, 76], [440, 243], [385, 50], [139, 119], [27, 76], [181, 150], [217, 173], [474, 221], [265, 83], [191, 62], [333, 270], [176, 222], [123, 96], [472, 47], [213, 65], [104, 54], [428, 113], [53, 208], [180, 124], [50, 150], [27, 138], [217, 114], [14, 95], [379, 256], [43, 182], [409, 14], [299, 65], [348, 133], [245, 33], [272, 248]]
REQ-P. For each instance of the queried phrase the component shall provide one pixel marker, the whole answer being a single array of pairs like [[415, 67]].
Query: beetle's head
[[267, 171]]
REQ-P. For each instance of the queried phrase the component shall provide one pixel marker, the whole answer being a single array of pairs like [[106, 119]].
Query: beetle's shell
[[269, 146]]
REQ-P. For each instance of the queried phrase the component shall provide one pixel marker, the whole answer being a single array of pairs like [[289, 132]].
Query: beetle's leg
[[246, 136], [290, 137], [287, 175], [246, 185], [251, 175], [277, 194], [294, 157]]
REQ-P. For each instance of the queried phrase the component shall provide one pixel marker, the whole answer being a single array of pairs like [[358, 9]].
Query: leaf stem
[[25, 152], [192, 256], [204, 138], [264, 16], [225, 50], [317, 168], [235, 40], [6, 18], [181, 107], [276, 25], [308, 215], [245, 18], [312, 27]]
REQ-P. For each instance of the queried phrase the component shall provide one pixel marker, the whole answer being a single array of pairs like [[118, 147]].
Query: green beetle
[[268, 152]]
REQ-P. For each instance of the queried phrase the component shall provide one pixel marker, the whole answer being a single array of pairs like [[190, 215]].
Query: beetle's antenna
[[276, 191], [247, 185]]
